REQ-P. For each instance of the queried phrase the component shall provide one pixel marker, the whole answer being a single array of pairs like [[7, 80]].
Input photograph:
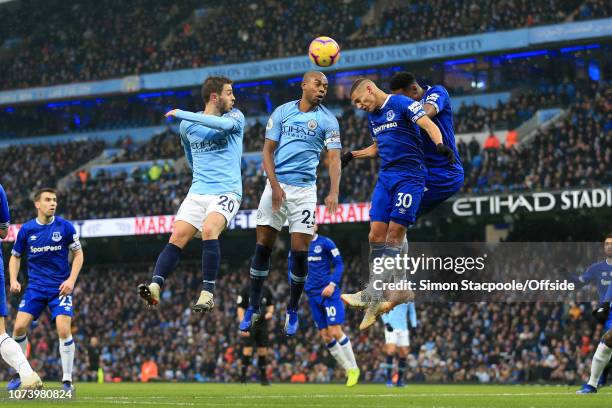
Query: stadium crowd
[[454, 342], [71, 45], [573, 152], [28, 167]]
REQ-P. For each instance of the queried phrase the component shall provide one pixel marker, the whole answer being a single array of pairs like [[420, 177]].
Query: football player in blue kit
[[47, 242], [10, 351], [601, 274], [296, 134], [323, 290], [397, 124]]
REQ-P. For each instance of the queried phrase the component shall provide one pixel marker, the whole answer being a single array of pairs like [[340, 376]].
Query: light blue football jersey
[[214, 154], [398, 316], [301, 136]]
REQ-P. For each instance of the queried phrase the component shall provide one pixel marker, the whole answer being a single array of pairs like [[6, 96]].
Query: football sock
[[389, 368], [600, 361], [166, 263], [245, 365], [347, 349], [211, 260], [336, 351], [67, 349], [401, 368], [297, 275], [262, 363], [23, 343], [385, 275], [260, 266], [13, 355]]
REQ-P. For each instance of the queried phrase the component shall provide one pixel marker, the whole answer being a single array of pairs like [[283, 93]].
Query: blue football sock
[[211, 260], [401, 368], [260, 266], [167, 261], [389, 368], [299, 271]]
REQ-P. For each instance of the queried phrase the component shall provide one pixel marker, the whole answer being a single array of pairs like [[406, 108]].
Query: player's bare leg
[[66, 349], [260, 267], [213, 226], [167, 261], [13, 355], [299, 271]]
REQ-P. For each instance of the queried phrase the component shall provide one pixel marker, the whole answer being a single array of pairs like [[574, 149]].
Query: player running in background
[[258, 336], [212, 141], [323, 290], [397, 338], [601, 273], [47, 241], [11, 353], [296, 134], [395, 122]]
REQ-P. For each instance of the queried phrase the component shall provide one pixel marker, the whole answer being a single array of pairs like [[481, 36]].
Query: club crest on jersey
[[317, 249], [312, 124], [56, 237], [390, 115]]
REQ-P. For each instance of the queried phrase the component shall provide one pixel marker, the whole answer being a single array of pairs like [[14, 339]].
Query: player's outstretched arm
[[278, 194], [67, 286], [331, 201], [210, 121], [436, 137], [369, 152]]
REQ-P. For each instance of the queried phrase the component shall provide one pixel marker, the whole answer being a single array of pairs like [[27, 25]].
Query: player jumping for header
[[295, 135], [212, 141], [394, 123]]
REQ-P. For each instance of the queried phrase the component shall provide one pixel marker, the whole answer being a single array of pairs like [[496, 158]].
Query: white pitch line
[[403, 395]]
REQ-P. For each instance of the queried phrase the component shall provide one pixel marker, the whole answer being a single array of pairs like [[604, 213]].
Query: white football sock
[[600, 361], [347, 350], [12, 354], [336, 351], [67, 349], [23, 343]]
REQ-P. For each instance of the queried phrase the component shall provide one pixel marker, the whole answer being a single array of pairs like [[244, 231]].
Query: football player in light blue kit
[[602, 272], [10, 351], [397, 339], [395, 123], [47, 242], [212, 141], [295, 135], [323, 290]]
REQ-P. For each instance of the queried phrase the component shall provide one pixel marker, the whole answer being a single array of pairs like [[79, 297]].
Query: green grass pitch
[[323, 395]]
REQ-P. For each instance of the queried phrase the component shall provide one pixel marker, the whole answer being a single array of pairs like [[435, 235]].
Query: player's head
[[314, 87], [608, 245], [218, 91], [45, 201], [364, 94], [315, 229], [404, 83]]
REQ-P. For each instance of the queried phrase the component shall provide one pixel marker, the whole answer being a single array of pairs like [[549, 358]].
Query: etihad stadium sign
[[466, 206], [564, 200]]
